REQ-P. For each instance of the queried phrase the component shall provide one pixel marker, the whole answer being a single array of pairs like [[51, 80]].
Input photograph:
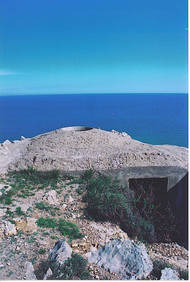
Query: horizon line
[[93, 93]]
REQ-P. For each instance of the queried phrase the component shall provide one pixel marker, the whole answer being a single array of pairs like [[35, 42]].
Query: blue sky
[[93, 46]]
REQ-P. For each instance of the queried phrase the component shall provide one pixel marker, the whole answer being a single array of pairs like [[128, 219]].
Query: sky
[[93, 46]]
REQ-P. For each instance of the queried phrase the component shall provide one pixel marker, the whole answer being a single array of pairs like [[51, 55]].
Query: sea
[[150, 118]]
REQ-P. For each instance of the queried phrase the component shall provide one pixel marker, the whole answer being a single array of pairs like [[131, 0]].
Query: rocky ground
[[24, 201], [23, 240]]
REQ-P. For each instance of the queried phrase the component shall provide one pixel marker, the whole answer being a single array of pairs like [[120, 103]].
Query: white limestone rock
[[124, 257], [48, 274], [2, 212], [30, 275], [64, 206], [169, 274], [9, 228], [60, 253], [51, 197], [69, 199]]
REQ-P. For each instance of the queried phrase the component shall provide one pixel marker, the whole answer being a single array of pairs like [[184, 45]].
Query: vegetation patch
[[108, 200], [47, 222], [69, 229], [47, 207], [74, 268], [42, 251], [25, 183], [135, 208], [66, 228], [19, 212]]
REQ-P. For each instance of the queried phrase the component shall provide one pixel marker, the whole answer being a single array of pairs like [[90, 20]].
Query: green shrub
[[42, 206], [19, 211], [73, 269], [108, 200], [184, 274], [87, 175], [69, 229], [65, 227], [46, 222], [41, 251], [46, 207]]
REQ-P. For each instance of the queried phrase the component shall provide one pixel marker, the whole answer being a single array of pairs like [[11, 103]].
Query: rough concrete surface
[[81, 150]]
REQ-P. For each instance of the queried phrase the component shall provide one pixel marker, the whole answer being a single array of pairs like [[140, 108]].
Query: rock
[[125, 257], [70, 200], [64, 206], [7, 143], [2, 186], [48, 274], [93, 249], [27, 225], [169, 274], [51, 197], [22, 138], [1, 229], [88, 255], [60, 253], [30, 271], [2, 212], [9, 228]]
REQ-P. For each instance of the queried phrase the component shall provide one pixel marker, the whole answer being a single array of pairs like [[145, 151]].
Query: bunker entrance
[[151, 202]]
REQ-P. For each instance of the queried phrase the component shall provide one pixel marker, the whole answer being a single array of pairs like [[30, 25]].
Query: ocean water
[[150, 118]]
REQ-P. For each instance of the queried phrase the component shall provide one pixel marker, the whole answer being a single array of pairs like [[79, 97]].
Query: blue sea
[[150, 118]]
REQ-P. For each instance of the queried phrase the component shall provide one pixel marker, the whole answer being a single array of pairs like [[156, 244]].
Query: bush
[[184, 274], [108, 200], [69, 229], [65, 227], [74, 268], [19, 211], [46, 222]]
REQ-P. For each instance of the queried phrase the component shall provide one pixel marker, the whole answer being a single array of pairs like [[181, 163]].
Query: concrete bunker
[[76, 128], [162, 197]]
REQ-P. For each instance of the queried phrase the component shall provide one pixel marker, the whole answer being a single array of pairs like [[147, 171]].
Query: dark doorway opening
[[152, 204]]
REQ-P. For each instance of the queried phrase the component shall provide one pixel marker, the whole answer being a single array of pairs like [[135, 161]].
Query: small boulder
[[2, 212], [7, 143], [125, 257], [60, 253], [70, 200], [2, 186], [2, 230], [169, 274], [48, 274], [64, 206], [9, 228], [30, 275], [51, 197]]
